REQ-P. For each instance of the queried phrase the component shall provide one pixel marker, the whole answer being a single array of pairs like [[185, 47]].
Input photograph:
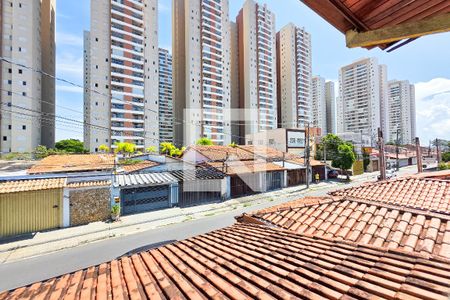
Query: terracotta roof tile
[[139, 166], [243, 167], [364, 222], [253, 261], [73, 163], [31, 185], [420, 193], [88, 184]]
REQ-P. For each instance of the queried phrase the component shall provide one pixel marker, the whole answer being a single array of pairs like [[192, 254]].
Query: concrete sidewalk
[[51, 241]]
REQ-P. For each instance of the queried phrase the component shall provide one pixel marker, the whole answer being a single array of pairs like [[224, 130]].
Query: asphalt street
[[39, 268]]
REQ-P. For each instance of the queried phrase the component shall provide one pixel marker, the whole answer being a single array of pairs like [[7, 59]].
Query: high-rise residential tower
[[362, 92], [27, 37], [201, 70], [294, 77], [402, 111], [319, 104], [257, 67], [330, 99], [121, 98], [165, 97]]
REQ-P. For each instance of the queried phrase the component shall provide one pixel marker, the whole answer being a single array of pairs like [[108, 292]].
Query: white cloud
[[163, 7], [63, 38], [69, 65], [433, 109], [69, 89]]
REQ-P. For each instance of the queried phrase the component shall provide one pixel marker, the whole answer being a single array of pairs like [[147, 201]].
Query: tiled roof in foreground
[[420, 193], [249, 262], [364, 222], [31, 185]]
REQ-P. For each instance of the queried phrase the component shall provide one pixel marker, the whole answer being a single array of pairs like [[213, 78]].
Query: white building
[[165, 97], [121, 101], [362, 93], [402, 112], [201, 70], [319, 104], [294, 76], [257, 65], [330, 99], [27, 37]]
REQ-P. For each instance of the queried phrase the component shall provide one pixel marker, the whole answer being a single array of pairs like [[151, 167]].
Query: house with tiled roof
[[249, 261], [71, 163], [412, 192], [250, 169], [364, 222]]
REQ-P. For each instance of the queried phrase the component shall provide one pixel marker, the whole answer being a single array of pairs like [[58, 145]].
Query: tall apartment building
[[27, 37], [201, 70], [257, 67], [236, 115], [294, 77], [330, 100], [362, 94], [165, 97], [121, 101], [402, 111], [319, 104]]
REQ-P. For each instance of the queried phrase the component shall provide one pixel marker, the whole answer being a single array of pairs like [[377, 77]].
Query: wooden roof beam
[[408, 30]]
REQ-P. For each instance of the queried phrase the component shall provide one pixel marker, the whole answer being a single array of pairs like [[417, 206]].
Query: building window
[[24, 127], [9, 127], [20, 71], [5, 138], [24, 83], [24, 94]]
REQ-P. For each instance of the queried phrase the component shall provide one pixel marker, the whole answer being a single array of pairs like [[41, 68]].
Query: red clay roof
[[364, 222], [221, 153], [139, 166], [420, 193], [73, 163], [31, 185], [244, 167], [250, 261], [365, 15], [443, 175]]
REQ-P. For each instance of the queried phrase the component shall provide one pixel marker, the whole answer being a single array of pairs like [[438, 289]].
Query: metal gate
[[273, 180], [198, 192], [30, 211], [142, 199]]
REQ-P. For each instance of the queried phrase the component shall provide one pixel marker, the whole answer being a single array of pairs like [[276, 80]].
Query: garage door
[[142, 199], [30, 211]]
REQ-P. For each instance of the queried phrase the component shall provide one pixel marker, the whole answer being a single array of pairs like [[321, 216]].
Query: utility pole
[[438, 155], [325, 159], [397, 150], [307, 155], [419, 156], [382, 158]]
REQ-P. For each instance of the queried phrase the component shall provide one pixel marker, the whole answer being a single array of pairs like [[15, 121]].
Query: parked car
[[390, 173], [333, 174]]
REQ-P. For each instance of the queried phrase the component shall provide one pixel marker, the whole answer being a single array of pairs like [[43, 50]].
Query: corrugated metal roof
[[198, 174], [144, 179]]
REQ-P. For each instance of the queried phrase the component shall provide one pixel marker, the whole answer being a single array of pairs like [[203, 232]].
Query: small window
[[9, 71], [5, 138], [20, 71], [24, 94], [24, 127], [24, 83], [9, 127]]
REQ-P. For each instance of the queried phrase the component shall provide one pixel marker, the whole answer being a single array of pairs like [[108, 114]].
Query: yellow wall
[[32, 211], [358, 167]]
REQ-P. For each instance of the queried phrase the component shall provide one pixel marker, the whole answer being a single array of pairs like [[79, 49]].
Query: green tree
[[125, 148], [40, 152], [233, 145], [151, 149], [204, 141], [166, 147], [446, 156], [103, 148], [330, 142], [345, 158], [70, 146]]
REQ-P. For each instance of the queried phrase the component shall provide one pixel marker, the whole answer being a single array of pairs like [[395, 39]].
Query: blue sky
[[425, 62]]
